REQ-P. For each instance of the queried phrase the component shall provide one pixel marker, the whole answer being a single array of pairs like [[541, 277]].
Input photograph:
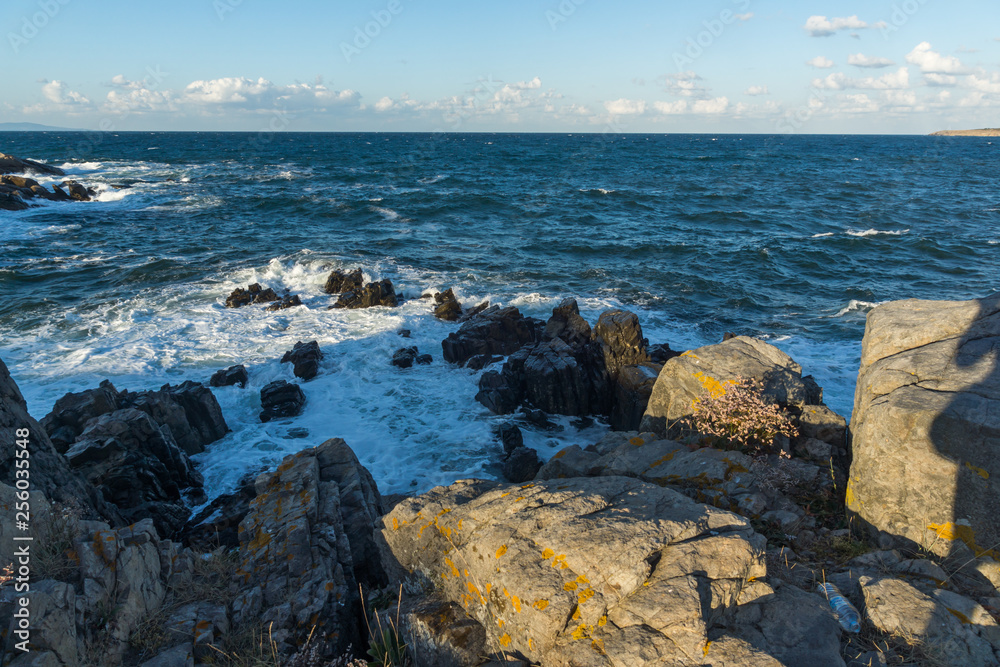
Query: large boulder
[[281, 399], [343, 281], [253, 294], [447, 306], [705, 369], [632, 388], [926, 426], [306, 543], [70, 414], [305, 358], [598, 571], [12, 165], [494, 331], [9, 201], [234, 375], [50, 472]]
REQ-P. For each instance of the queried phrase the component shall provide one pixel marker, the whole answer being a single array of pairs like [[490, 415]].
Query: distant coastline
[[986, 132], [35, 127]]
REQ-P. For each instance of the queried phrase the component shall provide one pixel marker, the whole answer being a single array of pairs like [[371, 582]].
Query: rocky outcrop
[[405, 357], [281, 399], [447, 306], [305, 358], [285, 302], [12, 165], [580, 572], [253, 294], [381, 293], [495, 331], [344, 281], [633, 387], [50, 472], [189, 409], [71, 413], [234, 375], [696, 372], [925, 426], [138, 467], [306, 543]]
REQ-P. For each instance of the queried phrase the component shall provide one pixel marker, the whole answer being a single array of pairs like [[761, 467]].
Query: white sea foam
[[819, 236], [877, 232], [386, 213], [856, 306]]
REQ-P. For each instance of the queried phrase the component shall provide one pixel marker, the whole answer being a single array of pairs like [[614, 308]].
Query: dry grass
[[54, 554]]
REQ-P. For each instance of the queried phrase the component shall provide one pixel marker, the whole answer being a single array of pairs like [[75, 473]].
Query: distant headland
[[986, 132]]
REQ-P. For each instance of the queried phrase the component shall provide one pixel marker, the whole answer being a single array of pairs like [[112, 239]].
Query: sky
[[740, 66]]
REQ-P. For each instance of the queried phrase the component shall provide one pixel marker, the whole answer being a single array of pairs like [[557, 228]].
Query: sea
[[792, 239]]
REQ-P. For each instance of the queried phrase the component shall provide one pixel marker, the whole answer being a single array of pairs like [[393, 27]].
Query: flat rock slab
[[607, 570]]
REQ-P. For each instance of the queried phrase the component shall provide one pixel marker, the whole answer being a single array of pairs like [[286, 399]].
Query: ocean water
[[789, 238]]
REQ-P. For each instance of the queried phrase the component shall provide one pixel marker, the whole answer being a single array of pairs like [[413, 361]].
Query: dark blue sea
[[792, 239]]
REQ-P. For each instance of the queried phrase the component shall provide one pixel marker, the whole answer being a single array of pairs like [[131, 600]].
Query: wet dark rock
[[472, 312], [58, 194], [78, 192], [189, 409], [252, 294], [554, 380], [286, 301], [18, 181], [424, 359], [620, 336], [234, 375], [522, 465], [729, 335], [137, 465], [510, 437], [540, 419], [381, 293], [481, 361], [661, 353], [11, 202], [632, 391], [404, 357], [448, 308], [12, 165], [281, 399], [404, 333], [305, 358], [218, 524], [344, 281], [71, 413], [494, 331], [567, 324]]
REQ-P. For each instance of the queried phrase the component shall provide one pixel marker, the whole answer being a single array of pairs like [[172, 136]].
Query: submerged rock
[[285, 302], [404, 357], [234, 375]]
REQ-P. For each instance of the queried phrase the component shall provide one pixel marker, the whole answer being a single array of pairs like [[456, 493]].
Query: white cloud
[[671, 108], [838, 81], [58, 92], [985, 84], [821, 26], [718, 105], [685, 84], [744, 17], [624, 107], [931, 61], [262, 94], [138, 100], [757, 90], [861, 60], [940, 79], [820, 62]]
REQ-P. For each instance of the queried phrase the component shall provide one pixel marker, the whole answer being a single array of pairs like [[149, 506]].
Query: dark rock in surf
[[481, 361], [521, 465], [424, 359], [510, 437], [12, 165], [189, 409], [471, 313], [71, 413], [287, 301], [404, 357], [495, 331], [567, 325], [77, 192], [234, 375], [341, 281], [305, 358], [448, 308], [281, 399], [381, 293], [11, 202], [18, 181], [252, 294]]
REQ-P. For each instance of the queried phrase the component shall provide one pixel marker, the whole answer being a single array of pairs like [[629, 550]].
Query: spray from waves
[[876, 232], [386, 213], [856, 306], [819, 236]]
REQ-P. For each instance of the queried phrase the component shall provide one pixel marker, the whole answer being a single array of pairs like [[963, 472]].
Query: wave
[[819, 236], [386, 213], [877, 232], [855, 306]]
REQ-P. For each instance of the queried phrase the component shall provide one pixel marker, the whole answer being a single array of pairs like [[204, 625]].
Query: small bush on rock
[[735, 416]]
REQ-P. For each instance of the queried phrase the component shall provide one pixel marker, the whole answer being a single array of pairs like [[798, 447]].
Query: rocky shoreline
[[986, 132], [18, 193], [659, 544]]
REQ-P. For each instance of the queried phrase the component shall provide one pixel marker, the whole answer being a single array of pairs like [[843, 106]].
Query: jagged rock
[[50, 472], [481, 361], [404, 357], [953, 629], [71, 413], [306, 544], [285, 302], [925, 426], [510, 437], [190, 409], [11, 202], [18, 181], [305, 358], [12, 165], [521, 465], [234, 375], [424, 359], [341, 281], [448, 308], [495, 331], [822, 423], [373, 294], [632, 389], [596, 571], [661, 353], [567, 325], [497, 394], [78, 192], [690, 375], [472, 312], [281, 399], [440, 633], [620, 336], [252, 294], [217, 525], [136, 465]]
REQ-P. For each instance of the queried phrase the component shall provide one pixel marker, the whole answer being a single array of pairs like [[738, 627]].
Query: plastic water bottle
[[848, 616]]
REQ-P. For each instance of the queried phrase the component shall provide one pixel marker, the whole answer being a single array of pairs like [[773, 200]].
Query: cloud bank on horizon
[[562, 65]]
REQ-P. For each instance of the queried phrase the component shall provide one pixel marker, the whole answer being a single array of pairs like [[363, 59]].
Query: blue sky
[[910, 66]]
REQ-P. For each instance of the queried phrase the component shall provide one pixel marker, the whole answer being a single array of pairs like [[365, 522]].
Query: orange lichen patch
[[558, 561], [505, 494], [952, 531], [459, 526], [570, 586], [637, 441], [585, 595], [205, 625], [576, 614], [518, 498], [598, 645], [528, 486], [517, 604], [395, 523], [689, 353], [531, 644], [475, 591], [602, 621], [561, 453], [708, 645], [548, 553], [714, 388], [979, 471], [454, 570], [260, 540], [505, 640], [502, 550], [540, 605], [663, 459], [287, 465], [582, 632], [500, 623], [489, 587]]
